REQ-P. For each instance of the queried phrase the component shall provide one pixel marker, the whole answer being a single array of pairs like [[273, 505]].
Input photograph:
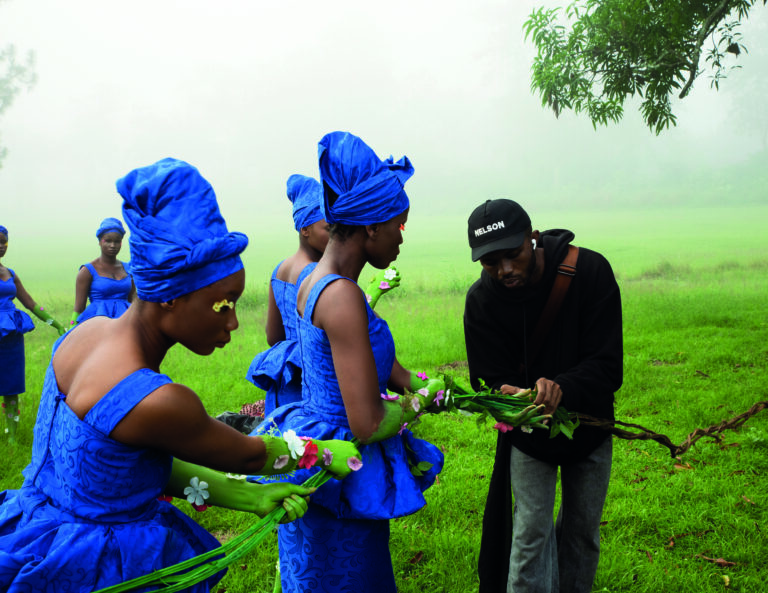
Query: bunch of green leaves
[[514, 410], [610, 50]]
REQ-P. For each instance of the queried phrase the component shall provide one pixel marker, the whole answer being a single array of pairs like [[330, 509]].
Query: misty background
[[244, 91]]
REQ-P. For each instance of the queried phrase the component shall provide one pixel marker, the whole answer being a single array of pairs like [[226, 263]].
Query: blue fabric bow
[[369, 190], [306, 194], [179, 240]]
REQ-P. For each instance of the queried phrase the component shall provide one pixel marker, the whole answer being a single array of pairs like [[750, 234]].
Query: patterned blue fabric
[[278, 369], [4, 230], [179, 240], [110, 225], [87, 515], [305, 194], [383, 489], [108, 297], [369, 190], [13, 325]]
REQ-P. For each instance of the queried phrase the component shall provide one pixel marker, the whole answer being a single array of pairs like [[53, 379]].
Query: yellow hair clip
[[223, 303]]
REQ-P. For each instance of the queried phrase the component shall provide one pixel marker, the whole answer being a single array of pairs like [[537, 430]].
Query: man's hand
[[549, 394], [510, 390]]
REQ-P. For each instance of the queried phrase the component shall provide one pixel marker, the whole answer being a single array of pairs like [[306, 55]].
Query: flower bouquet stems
[[509, 411], [190, 572]]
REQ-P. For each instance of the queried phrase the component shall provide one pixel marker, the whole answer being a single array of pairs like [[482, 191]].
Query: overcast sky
[[245, 89]]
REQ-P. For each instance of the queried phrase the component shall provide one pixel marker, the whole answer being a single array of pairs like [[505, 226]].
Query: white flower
[[197, 491], [390, 273], [295, 444], [15, 418], [236, 476], [415, 404], [527, 429]]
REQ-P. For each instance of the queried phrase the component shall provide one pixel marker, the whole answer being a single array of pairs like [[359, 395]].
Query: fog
[[244, 90]]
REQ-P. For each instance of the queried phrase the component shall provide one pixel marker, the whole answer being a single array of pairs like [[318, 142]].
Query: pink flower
[[384, 285], [402, 428], [309, 458], [439, 397], [354, 463], [503, 427], [423, 391], [327, 457], [422, 376], [390, 397]]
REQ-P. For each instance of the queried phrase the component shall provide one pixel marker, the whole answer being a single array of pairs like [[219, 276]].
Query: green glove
[[73, 319], [203, 487], [43, 315], [401, 411], [289, 451], [383, 281]]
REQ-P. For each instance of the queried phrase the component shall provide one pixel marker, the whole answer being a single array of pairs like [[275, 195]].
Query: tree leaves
[[611, 50]]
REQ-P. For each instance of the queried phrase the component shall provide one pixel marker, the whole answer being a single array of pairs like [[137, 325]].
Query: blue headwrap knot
[[369, 190], [179, 240], [306, 194]]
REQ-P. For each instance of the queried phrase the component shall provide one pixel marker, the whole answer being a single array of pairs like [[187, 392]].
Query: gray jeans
[[561, 556]]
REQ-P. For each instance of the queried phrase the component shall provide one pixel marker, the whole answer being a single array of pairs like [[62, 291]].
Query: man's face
[[514, 268]]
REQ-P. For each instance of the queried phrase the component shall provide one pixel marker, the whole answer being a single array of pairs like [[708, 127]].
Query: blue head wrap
[[369, 190], [179, 240], [306, 194], [3, 230], [110, 225]]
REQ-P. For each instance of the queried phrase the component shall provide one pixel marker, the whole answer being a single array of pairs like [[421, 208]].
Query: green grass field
[[694, 288]]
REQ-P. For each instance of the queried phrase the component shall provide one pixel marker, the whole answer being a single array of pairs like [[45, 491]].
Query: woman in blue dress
[[278, 370], [348, 358], [14, 323], [112, 430], [104, 282]]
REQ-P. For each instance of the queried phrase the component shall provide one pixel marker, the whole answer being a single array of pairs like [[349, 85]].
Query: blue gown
[[108, 297], [278, 370], [13, 325], [342, 542], [87, 515]]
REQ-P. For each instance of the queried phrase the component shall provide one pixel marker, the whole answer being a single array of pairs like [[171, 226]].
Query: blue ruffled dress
[[13, 325], [87, 515], [342, 542], [108, 297], [278, 370]]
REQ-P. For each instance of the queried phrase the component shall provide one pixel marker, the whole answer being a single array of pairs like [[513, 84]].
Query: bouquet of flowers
[[508, 411]]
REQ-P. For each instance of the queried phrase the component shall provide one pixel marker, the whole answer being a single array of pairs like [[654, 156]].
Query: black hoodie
[[582, 353]]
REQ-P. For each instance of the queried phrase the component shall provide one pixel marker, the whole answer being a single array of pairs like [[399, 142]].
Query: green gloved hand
[[40, 312], [383, 281], [400, 411], [73, 319], [203, 487], [289, 451]]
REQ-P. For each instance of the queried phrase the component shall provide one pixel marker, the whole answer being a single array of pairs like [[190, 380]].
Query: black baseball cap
[[496, 225]]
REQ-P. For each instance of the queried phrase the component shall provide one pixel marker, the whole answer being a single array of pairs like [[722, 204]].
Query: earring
[[533, 243]]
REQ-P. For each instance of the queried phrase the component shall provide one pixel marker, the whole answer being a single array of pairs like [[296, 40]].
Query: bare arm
[[400, 378], [275, 329], [22, 294], [173, 419], [341, 312], [82, 288]]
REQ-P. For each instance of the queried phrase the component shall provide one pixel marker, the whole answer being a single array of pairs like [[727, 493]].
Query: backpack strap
[[565, 273]]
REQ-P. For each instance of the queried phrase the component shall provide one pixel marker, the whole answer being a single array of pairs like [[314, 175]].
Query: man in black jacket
[[573, 356]]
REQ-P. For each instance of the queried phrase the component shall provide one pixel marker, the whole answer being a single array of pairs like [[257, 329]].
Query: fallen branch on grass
[[645, 434]]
